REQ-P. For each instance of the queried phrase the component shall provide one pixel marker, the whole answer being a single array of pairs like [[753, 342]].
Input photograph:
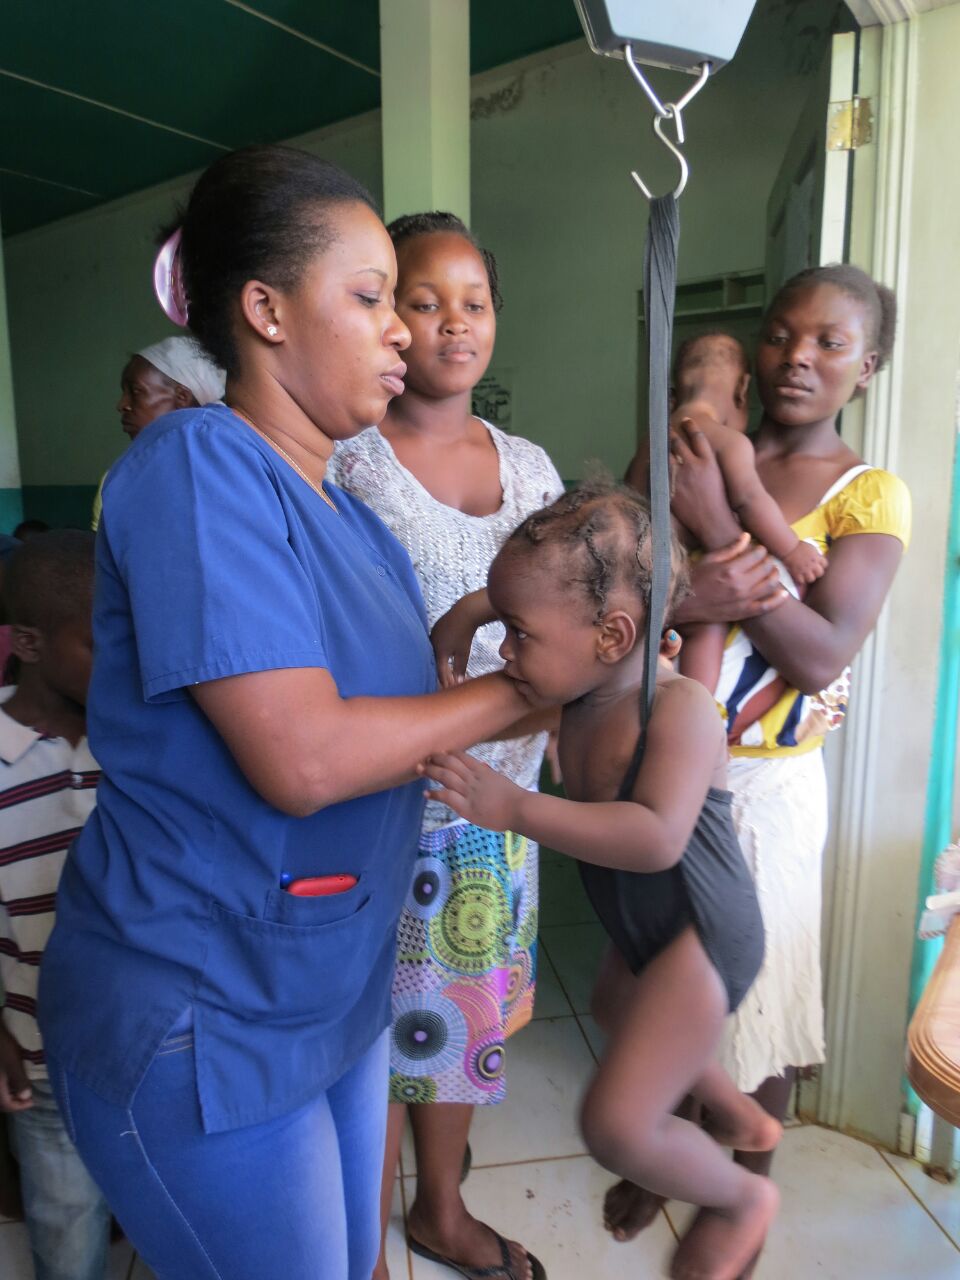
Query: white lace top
[[452, 553]]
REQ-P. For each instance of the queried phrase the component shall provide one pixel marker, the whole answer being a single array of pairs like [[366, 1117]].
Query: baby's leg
[[658, 1051], [732, 1118], [702, 654]]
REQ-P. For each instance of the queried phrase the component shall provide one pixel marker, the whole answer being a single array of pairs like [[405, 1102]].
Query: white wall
[[914, 244], [551, 195]]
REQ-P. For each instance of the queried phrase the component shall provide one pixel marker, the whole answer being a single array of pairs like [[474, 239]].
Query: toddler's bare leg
[[627, 1208], [702, 654], [659, 1049]]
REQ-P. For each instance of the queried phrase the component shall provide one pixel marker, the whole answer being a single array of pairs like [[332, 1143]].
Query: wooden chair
[[933, 1038]]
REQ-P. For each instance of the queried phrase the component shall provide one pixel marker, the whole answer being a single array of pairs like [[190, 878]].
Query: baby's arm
[[759, 513], [648, 833]]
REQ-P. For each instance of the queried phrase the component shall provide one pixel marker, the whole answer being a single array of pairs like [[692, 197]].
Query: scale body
[[667, 33]]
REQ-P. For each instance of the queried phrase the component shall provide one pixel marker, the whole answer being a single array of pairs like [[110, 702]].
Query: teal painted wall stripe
[[11, 509], [63, 506], [938, 817]]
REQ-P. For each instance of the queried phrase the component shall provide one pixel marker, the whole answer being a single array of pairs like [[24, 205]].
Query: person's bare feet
[[467, 1241], [722, 1243], [748, 1128], [629, 1209]]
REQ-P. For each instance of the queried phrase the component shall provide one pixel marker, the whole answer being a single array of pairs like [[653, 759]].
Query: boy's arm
[[15, 1091], [648, 833]]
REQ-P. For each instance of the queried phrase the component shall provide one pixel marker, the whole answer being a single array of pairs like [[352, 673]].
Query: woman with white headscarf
[[173, 374]]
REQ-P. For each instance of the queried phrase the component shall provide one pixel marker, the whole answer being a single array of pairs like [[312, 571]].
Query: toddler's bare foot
[[629, 1209], [747, 1128], [722, 1243]]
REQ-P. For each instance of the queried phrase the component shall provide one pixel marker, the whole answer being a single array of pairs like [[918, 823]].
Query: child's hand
[[15, 1091], [474, 790], [805, 563], [552, 757], [452, 637]]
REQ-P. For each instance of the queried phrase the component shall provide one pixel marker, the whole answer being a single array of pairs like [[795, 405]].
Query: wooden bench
[[933, 1038]]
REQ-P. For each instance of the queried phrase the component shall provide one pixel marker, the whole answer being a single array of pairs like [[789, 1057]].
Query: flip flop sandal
[[504, 1272]]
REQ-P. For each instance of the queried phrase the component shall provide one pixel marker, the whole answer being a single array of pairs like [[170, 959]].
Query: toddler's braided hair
[[604, 529]]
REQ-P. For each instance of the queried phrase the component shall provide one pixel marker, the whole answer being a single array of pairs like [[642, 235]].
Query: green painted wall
[[552, 143], [11, 511]]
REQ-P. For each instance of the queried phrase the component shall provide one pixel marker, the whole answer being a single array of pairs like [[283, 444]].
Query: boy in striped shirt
[[48, 782]]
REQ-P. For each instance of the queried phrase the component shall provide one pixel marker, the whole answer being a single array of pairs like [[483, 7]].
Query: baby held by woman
[[648, 818], [710, 383]]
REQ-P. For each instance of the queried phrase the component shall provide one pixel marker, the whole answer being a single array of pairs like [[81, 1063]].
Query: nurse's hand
[[15, 1091], [737, 582], [473, 790]]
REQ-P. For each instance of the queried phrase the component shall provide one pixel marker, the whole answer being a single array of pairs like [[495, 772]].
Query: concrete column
[[11, 498], [425, 96]]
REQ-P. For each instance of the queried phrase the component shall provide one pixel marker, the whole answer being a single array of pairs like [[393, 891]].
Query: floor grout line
[[516, 1164], [403, 1208], [923, 1205]]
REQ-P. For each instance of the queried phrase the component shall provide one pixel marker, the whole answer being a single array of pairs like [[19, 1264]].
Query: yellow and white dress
[[780, 806]]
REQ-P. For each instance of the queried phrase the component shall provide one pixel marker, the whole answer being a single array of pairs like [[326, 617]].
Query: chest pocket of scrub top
[[306, 957]]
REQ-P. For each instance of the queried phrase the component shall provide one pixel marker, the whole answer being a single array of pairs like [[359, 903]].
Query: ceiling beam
[[301, 35], [50, 182], [117, 111]]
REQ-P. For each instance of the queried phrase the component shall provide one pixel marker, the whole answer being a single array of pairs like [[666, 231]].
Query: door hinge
[[849, 124]]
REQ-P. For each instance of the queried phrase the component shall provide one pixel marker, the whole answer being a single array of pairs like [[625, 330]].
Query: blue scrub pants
[[296, 1198]]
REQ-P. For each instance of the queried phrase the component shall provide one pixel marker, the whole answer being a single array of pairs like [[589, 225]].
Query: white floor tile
[[554, 1209], [562, 896], [845, 1216], [941, 1199], [549, 1001], [593, 1033], [546, 1076], [15, 1261], [397, 1263], [575, 950], [121, 1259], [548, 1067]]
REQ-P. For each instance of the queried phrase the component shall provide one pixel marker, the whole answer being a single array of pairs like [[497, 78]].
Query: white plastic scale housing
[[679, 34]]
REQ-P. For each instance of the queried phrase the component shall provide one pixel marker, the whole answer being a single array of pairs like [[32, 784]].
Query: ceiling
[[99, 98]]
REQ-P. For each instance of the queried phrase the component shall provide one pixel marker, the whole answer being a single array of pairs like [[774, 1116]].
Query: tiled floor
[[850, 1212]]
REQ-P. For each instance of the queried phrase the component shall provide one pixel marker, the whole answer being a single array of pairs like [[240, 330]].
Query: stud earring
[[272, 330]]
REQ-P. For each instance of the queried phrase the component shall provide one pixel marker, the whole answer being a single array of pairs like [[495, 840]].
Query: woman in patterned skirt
[[452, 488]]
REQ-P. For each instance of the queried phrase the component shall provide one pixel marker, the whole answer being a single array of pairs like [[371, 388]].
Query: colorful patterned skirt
[[466, 965]]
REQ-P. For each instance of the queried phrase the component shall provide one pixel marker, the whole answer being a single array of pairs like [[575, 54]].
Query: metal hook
[[672, 111], [642, 81], [667, 111]]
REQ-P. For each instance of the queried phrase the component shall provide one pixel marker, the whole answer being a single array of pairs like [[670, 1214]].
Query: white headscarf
[[185, 361]]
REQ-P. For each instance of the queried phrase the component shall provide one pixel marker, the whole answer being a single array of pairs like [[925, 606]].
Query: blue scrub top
[[215, 558]]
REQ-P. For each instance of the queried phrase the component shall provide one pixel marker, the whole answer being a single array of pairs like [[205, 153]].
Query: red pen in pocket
[[321, 886]]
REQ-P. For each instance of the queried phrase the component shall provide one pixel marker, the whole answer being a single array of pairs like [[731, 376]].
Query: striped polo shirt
[[47, 792]]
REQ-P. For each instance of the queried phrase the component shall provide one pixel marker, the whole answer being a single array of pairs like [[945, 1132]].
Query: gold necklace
[[317, 489]]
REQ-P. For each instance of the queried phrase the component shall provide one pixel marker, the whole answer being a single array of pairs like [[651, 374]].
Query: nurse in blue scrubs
[[263, 690]]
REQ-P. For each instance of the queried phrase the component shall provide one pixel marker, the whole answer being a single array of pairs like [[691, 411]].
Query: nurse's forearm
[[302, 746]]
